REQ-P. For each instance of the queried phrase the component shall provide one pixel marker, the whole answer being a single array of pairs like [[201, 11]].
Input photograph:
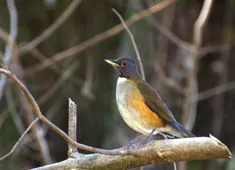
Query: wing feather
[[156, 104]]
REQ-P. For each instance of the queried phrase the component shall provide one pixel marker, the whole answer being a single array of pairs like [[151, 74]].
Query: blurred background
[[59, 52]]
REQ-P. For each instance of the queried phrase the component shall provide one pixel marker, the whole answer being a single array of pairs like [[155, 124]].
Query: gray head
[[126, 67]]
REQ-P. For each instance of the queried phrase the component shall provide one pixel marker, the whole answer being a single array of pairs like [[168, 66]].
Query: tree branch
[[99, 38], [11, 41], [72, 126], [19, 140], [154, 152], [71, 8], [190, 108]]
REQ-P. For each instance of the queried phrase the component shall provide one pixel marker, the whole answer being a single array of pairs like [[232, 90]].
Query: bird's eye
[[123, 63]]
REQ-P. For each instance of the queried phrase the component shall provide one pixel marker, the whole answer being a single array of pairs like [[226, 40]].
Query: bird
[[140, 105]]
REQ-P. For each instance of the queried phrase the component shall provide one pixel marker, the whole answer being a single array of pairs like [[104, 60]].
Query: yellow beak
[[112, 62]]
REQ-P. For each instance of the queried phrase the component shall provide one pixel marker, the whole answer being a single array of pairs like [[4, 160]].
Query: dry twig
[[71, 8], [19, 140], [99, 38], [164, 151], [10, 43], [133, 43], [72, 127]]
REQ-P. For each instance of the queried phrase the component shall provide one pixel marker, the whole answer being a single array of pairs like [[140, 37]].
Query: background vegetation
[[90, 82]]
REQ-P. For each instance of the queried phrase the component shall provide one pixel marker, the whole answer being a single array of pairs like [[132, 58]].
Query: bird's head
[[126, 67]]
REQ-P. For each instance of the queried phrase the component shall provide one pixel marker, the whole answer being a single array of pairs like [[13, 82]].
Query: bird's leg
[[148, 138], [133, 141]]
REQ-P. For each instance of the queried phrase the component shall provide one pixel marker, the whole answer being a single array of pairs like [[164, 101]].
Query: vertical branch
[[200, 23], [190, 109], [11, 41], [72, 126], [192, 87]]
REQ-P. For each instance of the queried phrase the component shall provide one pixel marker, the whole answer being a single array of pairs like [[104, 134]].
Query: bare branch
[[19, 140], [200, 23], [133, 43], [10, 46], [212, 48], [51, 125], [100, 37], [65, 75], [161, 151], [215, 91], [71, 8], [72, 126], [153, 152], [170, 35], [191, 89]]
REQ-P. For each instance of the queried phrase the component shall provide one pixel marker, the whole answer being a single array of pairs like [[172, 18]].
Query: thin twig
[[169, 82], [55, 68], [10, 45], [51, 112], [200, 23], [215, 91], [37, 131], [65, 75], [50, 30], [99, 38], [72, 127], [202, 148], [133, 42], [13, 112], [212, 49], [170, 35], [51, 125], [19, 140]]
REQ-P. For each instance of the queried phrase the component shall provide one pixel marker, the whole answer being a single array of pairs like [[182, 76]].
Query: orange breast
[[147, 116]]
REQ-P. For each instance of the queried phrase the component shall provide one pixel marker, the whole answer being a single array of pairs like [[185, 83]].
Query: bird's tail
[[184, 132], [179, 131]]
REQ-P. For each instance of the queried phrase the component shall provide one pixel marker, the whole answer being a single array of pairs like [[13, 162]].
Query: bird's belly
[[135, 112]]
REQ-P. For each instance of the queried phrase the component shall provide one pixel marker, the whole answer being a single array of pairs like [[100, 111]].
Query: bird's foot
[[148, 138], [132, 142]]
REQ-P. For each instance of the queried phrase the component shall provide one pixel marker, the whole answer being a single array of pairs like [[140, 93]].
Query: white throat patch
[[121, 80]]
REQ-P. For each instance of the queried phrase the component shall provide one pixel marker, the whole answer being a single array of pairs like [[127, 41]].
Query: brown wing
[[155, 103]]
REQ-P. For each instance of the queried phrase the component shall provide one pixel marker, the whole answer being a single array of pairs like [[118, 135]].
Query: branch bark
[[154, 152], [72, 126]]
